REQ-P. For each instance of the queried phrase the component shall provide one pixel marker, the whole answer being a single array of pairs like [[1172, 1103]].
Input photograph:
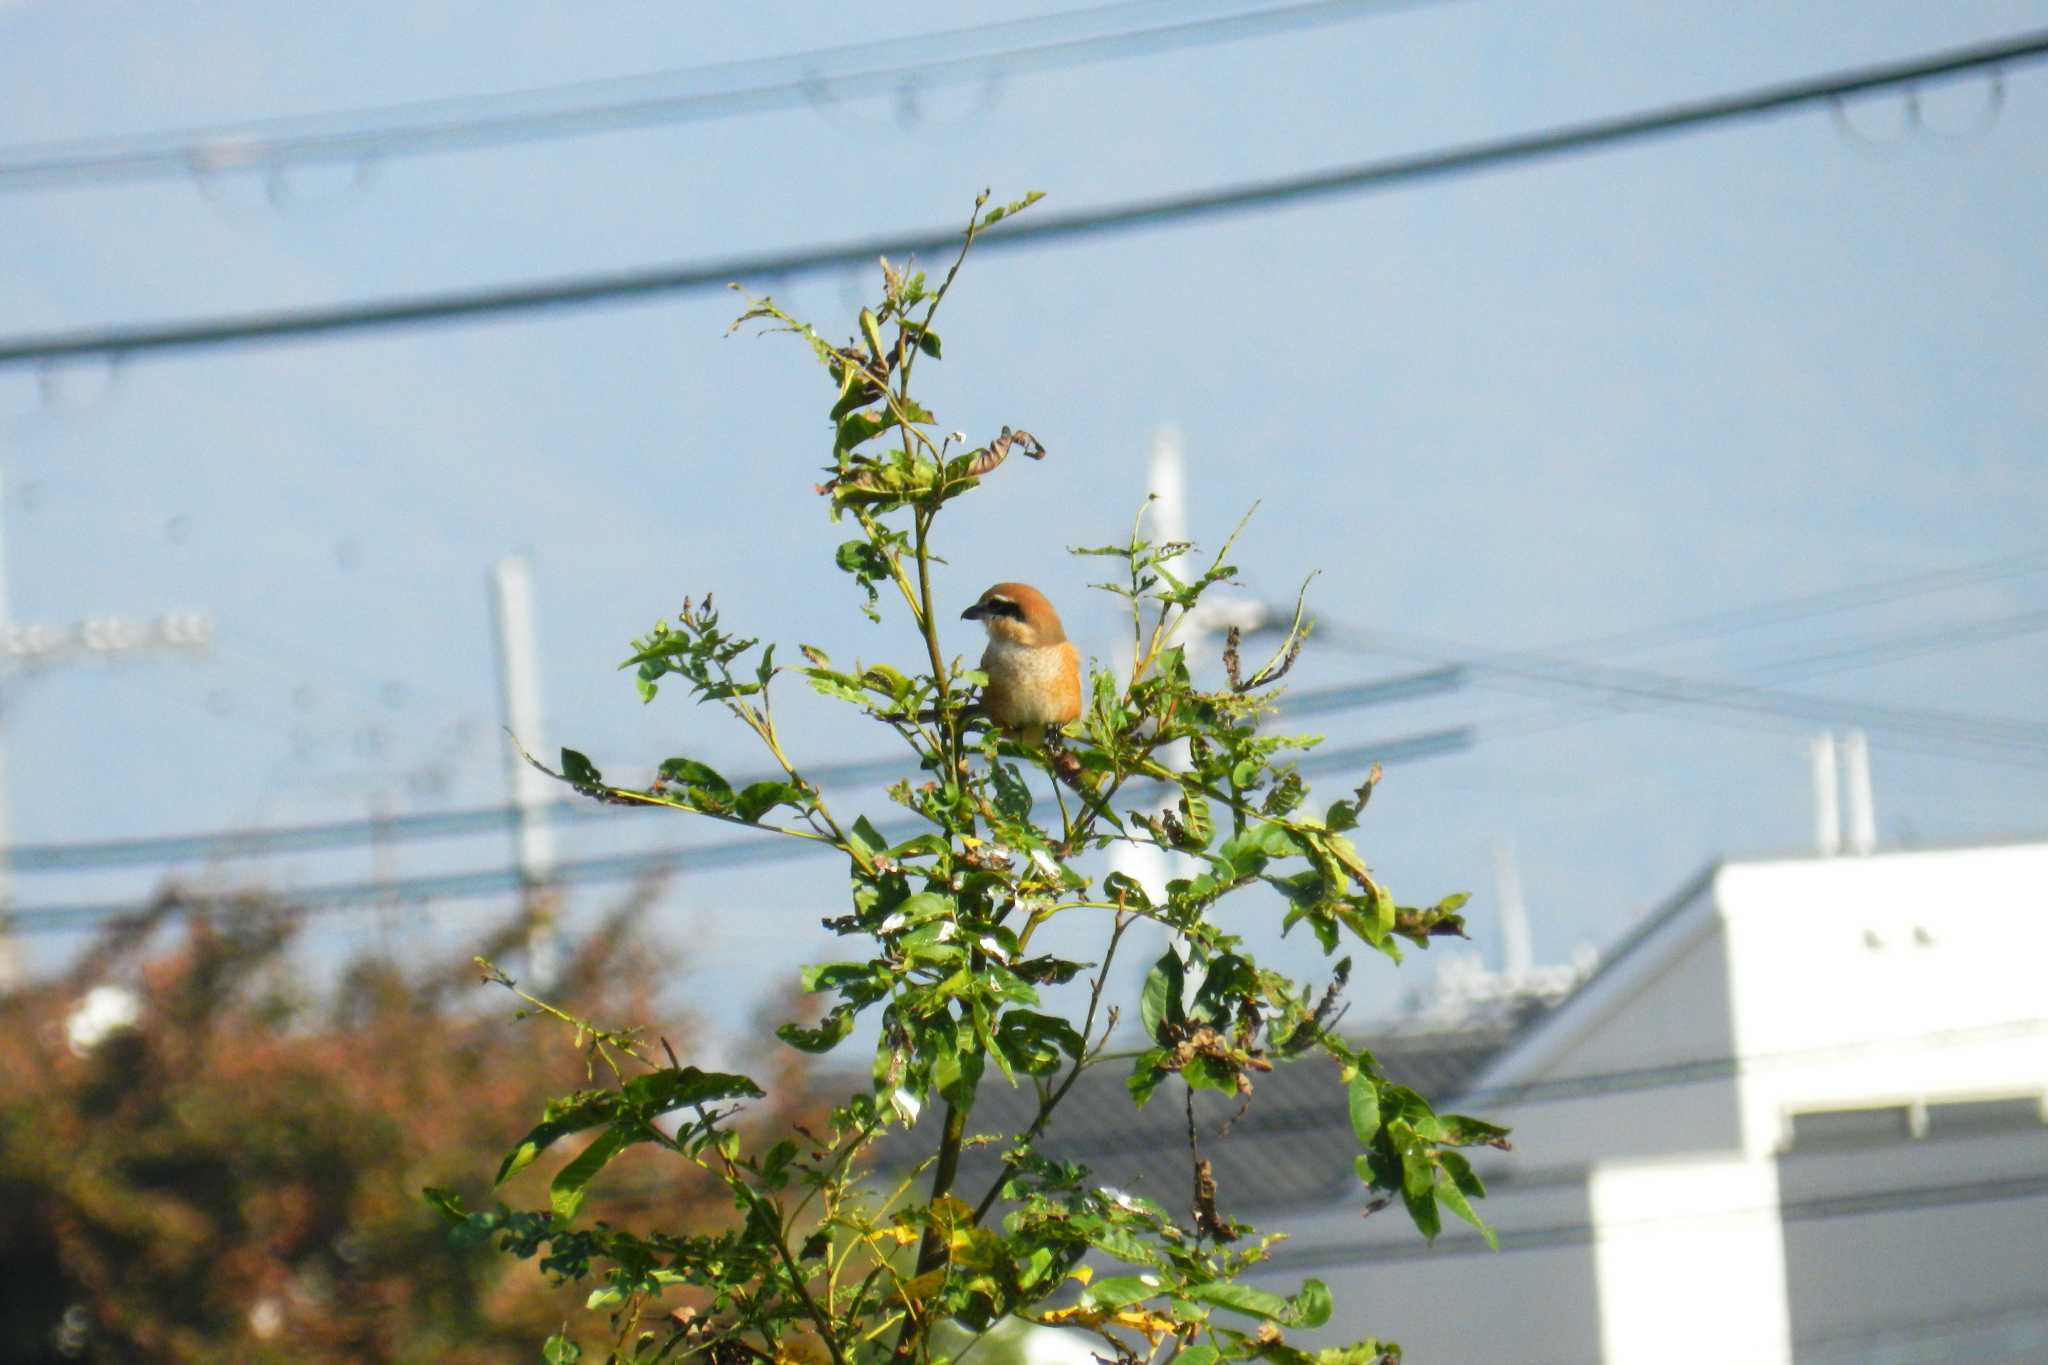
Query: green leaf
[[1013, 797], [1312, 1306], [580, 770], [561, 1119], [775, 1163], [925, 905], [565, 1192], [1423, 1210], [1258, 841], [1164, 985], [1463, 1130], [832, 976], [1198, 1355], [1116, 1291], [706, 787], [1034, 1042], [829, 1033], [447, 1203], [559, 1350], [758, 798], [996, 215], [1364, 1102], [868, 839], [856, 429], [657, 1092], [957, 1067], [1145, 1076], [928, 342], [1460, 1190], [1240, 1298], [1125, 889]]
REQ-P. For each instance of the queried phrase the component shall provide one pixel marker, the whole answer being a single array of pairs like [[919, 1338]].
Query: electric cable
[[764, 847], [1958, 1194], [1245, 197], [160, 849], [689, 94]]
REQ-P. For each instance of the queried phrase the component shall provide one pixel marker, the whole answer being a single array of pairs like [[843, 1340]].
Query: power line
[[631, 866], [1629, 689], [1818, 1208], [1255, 196], [1827, 601], [153, 850], [765, 847], [1651, 689], [690, 94], [1664, 1075]]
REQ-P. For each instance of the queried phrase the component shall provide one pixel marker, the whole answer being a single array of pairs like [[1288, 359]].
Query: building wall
[[1799, 1120], [1919, 1249], [1454, 1303], [1647, 1070], [1900, 978]]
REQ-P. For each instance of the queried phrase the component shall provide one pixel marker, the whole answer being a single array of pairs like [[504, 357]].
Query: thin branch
[[1051, 1102]]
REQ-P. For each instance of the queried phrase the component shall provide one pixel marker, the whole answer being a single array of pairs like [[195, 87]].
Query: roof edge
[[1651, 944]]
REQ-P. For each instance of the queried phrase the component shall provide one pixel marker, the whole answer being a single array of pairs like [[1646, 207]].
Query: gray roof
[[1292, 1145]]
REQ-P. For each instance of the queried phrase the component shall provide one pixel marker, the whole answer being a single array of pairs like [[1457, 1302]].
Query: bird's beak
[[973, 613]]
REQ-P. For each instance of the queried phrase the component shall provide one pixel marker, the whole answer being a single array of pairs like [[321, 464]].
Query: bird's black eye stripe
[[1003, 606]]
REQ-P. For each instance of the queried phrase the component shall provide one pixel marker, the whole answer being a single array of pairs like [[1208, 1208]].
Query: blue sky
[[1502, 412]]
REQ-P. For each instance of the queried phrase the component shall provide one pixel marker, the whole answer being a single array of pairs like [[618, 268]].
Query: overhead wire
[[762, 847], [1659, 689], [1245, 197], [1955, 1194], [690, 94], [1431, 681], [1991, 739]]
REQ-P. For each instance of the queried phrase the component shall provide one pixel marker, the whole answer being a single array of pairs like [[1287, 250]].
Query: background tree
[[816, 1262], [235, 1176]]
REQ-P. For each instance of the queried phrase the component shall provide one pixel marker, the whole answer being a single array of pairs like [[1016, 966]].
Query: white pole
[[1862, 812], [1517, 957], [1827, 810], [1166, 479], [519, 691], [1144, 864]]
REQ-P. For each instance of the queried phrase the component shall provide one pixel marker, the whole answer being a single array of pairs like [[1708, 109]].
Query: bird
[[1034, 675]]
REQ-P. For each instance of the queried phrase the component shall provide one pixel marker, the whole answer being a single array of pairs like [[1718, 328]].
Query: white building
[[1796, 1116]]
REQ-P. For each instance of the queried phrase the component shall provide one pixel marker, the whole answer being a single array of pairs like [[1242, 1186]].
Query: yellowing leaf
[[801, 1346], [1155, 1327]]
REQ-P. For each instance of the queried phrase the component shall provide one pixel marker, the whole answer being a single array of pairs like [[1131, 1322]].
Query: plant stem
[[931, 1252], [1052, 1101]]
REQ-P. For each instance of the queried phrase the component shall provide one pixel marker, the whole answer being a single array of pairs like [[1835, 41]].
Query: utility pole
[[1827, 797], [24, 649], [1166, 479], [519, 693], [1841, 789], [1517, 955], [1862, 811]]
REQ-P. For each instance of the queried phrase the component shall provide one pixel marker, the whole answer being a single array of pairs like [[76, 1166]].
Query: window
[[1983, 1116], [1852, 1127]]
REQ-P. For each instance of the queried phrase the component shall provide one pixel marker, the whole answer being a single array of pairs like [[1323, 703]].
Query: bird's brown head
[[1018, 614]]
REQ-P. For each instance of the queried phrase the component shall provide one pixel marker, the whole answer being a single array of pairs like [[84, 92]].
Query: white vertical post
[[1166, 480], [1144, 864], [1827, 809], [1862, 813], [519, 692], [1517, 957]]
